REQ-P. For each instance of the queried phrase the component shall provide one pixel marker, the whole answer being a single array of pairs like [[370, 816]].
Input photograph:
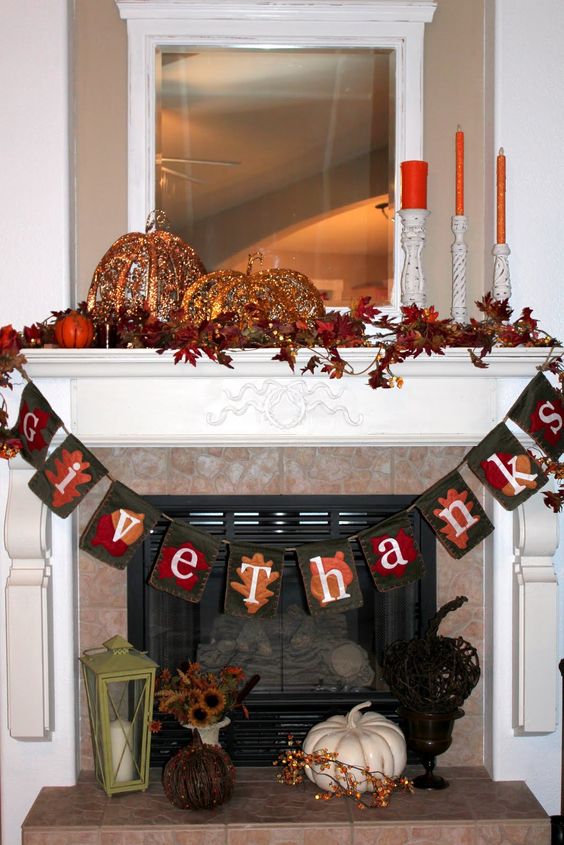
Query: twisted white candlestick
[[412, 242], [459, 249], [501, 281]]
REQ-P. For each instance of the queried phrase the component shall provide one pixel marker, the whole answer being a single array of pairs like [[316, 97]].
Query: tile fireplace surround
[[259, 429]]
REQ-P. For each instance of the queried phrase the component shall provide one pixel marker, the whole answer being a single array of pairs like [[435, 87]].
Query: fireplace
[[310, 666]]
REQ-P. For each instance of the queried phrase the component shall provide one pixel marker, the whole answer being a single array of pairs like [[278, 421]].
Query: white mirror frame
[[386, 24]]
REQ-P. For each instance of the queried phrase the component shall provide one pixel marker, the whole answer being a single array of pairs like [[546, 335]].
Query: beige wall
[[456, 67]]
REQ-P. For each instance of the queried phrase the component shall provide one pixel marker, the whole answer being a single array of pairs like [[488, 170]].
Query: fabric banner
[[184, 562], [69, 473], [254, 577], [329, 575], [506, 468], [36, 426], [539, 411], [119, 526], [455, 515], [391, 552]]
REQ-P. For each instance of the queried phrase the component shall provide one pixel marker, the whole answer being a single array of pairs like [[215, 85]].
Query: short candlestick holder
[[459, 249], [501, 281], [413, 290]]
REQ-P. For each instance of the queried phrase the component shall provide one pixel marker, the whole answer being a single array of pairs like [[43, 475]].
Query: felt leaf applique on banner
[[119, 526], [392, 553], [455, 514], [506, 468], [539, 411], [70, 472], [36, 425], [329, 575], [254, 576], [184, 562]]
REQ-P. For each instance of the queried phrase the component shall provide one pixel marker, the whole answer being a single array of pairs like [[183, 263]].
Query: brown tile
[[98, 624], [266, 836], [101, 585], [145, 470], [88, 506], [200, 836], [227, 471], [513, 834], [451, 805], [463, 577], [467, 743], [383, 834], [136, 837], [503, 800], [59, 837], [67, 806], [329, 836], [280, 805], [418, 467], [337, 470], [153, 810]]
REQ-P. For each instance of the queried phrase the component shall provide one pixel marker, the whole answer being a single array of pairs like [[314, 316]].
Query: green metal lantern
[[120, 684]]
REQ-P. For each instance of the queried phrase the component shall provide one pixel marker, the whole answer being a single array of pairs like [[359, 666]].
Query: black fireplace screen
[[310, 666]]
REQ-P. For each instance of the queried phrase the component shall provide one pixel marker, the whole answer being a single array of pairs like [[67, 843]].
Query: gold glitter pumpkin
[[279, 293], [151, 270]]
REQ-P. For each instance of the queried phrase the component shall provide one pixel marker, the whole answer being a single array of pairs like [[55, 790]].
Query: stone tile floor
[[473, 811]]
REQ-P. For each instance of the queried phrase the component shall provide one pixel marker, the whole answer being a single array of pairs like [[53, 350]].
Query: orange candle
[[414, 184], [459, 171], [500, 234]]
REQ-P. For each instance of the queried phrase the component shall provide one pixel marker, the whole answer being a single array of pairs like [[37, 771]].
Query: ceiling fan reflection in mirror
[[164, 163]]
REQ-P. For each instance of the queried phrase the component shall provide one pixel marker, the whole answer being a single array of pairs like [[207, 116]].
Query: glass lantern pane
[[95, 722], [126, 709]]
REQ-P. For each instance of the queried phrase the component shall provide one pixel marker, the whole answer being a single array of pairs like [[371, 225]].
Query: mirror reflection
[[286, 151]]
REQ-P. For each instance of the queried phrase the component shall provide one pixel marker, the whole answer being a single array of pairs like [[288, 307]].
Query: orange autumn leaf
[[262, 594], [338, 563], [67, 477], [461, 539]]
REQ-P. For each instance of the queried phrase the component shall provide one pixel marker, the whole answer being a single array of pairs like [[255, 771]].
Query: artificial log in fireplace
[[310, 666]]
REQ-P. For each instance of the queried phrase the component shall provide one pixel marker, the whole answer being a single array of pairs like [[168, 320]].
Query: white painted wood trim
[[536, 680], [375, 23], [27, 540]]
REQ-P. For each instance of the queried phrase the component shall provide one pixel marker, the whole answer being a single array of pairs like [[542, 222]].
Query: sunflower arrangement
[[201, 698]]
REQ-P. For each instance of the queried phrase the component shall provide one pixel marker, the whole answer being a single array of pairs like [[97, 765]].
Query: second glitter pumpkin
[[279, 294]]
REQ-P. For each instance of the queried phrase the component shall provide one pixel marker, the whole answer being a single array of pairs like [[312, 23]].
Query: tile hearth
[[473, 811]]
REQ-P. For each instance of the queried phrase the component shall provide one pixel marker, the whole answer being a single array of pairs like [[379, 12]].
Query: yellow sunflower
[[199, 715], [213, 700]]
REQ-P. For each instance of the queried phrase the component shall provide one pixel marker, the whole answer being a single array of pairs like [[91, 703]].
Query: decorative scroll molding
[[283, 404], [27, 540], [501, 281], [535, 609]]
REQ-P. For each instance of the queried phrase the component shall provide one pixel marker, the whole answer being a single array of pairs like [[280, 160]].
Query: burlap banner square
[[539, 411], [254, 577], [455, 514], [329, 575], [184, 562], [391, 552], [69, 473], [119, 526], [506, 468], [36, 426]]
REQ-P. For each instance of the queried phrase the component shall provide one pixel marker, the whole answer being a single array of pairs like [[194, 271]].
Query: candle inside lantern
[[414, 184], [125, 770], [500, 233], [459, 171]]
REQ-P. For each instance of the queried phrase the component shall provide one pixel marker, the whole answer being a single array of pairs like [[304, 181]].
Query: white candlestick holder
[[459, 249], [413, 288], [501, 280]]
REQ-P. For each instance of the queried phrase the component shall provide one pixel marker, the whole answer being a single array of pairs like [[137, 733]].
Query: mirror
[[286, 151]]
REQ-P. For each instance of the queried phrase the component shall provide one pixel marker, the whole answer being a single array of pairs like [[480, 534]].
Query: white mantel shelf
[[136, 397]]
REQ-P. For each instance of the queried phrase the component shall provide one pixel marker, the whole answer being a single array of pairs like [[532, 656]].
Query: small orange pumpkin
[[74, 330]]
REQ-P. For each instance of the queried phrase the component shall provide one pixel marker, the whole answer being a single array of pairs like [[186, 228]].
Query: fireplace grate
[[172, 630]]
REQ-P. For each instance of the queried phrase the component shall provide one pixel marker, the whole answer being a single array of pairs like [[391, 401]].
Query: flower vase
[[210, 733]]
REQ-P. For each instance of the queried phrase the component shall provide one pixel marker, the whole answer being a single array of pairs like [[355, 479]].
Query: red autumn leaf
[[494, 475], [71, 467], [166, 565], [553, 429], [30, 430], [104, 537], [393, 559]]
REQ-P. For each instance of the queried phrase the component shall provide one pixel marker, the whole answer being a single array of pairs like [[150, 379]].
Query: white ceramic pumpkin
[[367, 740]]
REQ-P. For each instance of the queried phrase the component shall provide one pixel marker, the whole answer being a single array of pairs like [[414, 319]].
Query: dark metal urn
[[429, 734]]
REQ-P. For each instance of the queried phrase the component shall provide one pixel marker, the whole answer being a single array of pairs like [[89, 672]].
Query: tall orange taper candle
[[414, 184], [500, 235], [459, 171]]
